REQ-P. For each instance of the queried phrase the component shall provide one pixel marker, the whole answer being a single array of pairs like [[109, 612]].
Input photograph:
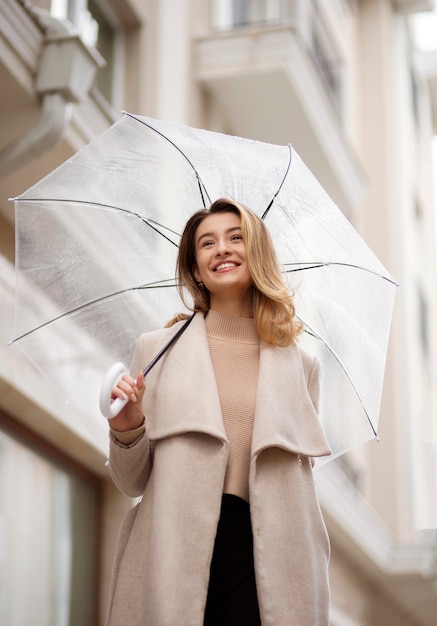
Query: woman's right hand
[[131, 415]]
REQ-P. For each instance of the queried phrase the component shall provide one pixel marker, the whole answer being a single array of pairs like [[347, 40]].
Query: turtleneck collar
[[231, 328]]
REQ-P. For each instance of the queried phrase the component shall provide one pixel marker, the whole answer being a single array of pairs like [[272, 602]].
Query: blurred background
[[352, 85]]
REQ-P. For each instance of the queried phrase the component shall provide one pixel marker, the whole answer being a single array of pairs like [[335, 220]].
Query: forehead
[[218, 222]]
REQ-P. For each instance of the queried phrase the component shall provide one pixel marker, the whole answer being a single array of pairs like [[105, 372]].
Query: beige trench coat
[[165, 545]]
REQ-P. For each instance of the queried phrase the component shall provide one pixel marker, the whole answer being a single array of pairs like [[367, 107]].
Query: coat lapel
[[285, 415], [182, 394]]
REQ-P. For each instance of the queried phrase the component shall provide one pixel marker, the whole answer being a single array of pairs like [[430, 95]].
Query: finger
[[141, 380], [118, 393], [126, 388], [129, 380]]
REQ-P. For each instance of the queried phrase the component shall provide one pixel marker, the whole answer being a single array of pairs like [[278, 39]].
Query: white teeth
[[223, 265]]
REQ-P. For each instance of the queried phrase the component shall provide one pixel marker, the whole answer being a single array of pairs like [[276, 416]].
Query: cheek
[[199, 266], [201, 259]]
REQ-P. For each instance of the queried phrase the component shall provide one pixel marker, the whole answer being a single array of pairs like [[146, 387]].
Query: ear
[[196, 273]]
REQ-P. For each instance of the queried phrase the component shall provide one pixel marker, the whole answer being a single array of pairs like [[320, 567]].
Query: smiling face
[[221, 259]]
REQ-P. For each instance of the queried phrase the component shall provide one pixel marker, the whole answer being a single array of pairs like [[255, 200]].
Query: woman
[[229, 529]]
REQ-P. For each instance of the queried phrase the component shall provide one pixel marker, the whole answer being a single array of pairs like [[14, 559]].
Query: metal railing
[[229, 14], [324, 55], [303, 16]]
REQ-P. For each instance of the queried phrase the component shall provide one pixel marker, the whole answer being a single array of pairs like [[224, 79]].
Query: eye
[[237, 238], [205, 244]]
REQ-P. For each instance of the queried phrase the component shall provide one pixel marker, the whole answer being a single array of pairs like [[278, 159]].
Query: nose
[[222, 248]]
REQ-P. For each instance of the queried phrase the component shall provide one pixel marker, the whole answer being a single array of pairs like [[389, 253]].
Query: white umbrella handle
[[111, 378]]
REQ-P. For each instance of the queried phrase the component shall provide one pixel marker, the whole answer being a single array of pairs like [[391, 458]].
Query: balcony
[[279, 61]]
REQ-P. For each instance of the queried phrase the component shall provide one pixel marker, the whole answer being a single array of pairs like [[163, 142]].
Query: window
[[98, 28], [106, 44], [228, 14], [48, 539]]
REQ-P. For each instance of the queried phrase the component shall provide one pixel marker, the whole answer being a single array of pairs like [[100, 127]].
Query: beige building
[[339, 79]]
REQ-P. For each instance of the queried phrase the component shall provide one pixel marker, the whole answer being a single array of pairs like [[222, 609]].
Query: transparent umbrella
[[97, 241]]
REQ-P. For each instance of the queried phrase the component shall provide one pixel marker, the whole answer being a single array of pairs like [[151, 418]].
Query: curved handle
[[111, 378]]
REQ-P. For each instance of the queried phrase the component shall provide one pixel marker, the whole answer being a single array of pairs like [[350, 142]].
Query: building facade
[[341, 81]]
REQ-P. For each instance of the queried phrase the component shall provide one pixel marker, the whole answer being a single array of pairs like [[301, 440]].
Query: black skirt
[[232, 598]]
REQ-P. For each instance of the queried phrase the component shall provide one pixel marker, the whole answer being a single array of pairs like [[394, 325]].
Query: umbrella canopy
[[97, 241]]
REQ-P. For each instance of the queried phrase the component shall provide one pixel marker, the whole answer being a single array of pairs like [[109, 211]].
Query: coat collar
[[285, 416], [183, 394]]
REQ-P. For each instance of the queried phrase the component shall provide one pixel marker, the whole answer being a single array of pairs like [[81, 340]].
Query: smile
[[224, 266]]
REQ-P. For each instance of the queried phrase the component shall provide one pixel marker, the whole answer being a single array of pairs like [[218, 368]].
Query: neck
[[237, 307]]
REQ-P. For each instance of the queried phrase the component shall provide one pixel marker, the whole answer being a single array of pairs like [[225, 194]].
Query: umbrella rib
[[157, 285], [311, 265], [149, 222], [264, 215], [167, 346], [173, 232], [310, 331], [202, 188]]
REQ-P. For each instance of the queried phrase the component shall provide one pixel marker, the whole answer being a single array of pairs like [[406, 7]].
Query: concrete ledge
[[27, 397]]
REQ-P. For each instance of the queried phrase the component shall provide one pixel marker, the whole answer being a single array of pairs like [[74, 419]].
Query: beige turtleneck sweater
[[234, 347]]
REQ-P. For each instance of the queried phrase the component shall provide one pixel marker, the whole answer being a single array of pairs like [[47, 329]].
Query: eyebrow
[[211, 234]]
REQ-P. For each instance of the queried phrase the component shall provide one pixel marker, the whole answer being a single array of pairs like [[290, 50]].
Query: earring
[[201, 285]]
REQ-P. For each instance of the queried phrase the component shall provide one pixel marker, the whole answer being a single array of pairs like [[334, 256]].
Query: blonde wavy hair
[[272, 301]]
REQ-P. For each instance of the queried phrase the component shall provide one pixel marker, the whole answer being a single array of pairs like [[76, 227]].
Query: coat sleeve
[[312, 375], [313, 382], [130, 459]]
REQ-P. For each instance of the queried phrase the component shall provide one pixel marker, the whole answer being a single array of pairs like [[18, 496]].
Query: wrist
[[122, 427]]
